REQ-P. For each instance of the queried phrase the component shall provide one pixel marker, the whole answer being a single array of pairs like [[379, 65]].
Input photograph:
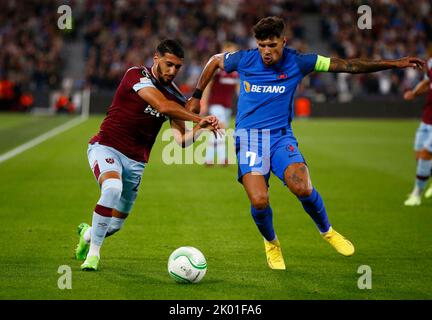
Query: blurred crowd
[[118, 34], [399, 28], [31, 51]]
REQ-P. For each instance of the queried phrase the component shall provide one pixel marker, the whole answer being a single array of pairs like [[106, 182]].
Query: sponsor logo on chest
[[262, 89], [149, 109]]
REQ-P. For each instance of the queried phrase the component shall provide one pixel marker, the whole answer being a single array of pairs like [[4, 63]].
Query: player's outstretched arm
[[168, 107], [421, 88], [366, 65], [204, 107], [185, 138], [216, 62]]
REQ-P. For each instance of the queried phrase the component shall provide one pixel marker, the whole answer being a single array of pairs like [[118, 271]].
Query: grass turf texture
[[363, 169]]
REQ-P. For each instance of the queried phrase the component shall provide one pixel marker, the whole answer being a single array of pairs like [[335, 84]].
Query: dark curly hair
[[170, 46], [269, 27]]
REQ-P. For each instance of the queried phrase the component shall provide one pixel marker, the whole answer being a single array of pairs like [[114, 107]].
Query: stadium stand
[[31, 56], [117, 34]]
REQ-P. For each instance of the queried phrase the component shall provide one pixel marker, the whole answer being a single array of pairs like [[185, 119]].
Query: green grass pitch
[[363, 169]]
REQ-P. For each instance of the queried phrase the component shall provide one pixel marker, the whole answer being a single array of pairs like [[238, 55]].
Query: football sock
[[99, 229], [423, 174], [94, 250], [314, 206], [115, 225], [264, 221], [111, 190]]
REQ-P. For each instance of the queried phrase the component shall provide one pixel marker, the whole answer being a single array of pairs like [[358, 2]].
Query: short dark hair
[[170, 46], [269, 27]]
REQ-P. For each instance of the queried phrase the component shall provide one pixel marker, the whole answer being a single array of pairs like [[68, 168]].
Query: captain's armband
[[322, 64]]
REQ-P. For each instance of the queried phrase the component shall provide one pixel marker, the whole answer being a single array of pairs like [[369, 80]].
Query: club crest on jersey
[[109, 160], [262, 89]]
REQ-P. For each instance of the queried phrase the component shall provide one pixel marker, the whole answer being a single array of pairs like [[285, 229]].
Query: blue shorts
[[265, 151]]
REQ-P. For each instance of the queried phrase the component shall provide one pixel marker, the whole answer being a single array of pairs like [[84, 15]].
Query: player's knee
[[260, 201], [302, 190], [111, 191], [425, 154]]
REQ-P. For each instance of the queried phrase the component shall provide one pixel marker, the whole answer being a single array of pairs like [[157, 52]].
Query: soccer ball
[[187, 265]]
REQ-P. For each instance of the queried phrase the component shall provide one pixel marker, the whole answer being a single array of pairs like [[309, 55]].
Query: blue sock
[[423, 173], [264, 221], [314, 206]]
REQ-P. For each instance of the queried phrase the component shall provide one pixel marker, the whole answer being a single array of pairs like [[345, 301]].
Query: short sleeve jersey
[[131, 124], [266, 96], [427, 110]]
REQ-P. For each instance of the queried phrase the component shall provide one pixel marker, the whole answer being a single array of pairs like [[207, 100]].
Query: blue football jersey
[[266, 96]]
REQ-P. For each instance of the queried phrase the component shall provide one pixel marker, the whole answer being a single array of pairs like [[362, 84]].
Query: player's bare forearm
[[422, 87], [168, 107], [209, 70], [184, 138], [360, 65], [172, 110], [215, 62]]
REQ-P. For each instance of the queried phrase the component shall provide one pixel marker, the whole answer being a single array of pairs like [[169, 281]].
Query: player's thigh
[[427, 145], [132, 176], [289, 165], [298, 180], [253, 152], [284, 155], [104, 161], [256, 188], [422, 135]]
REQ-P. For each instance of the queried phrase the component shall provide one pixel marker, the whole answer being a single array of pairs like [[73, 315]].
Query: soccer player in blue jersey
[[265, 141]]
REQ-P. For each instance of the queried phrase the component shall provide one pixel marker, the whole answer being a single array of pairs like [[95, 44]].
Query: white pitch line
[[43, 137]]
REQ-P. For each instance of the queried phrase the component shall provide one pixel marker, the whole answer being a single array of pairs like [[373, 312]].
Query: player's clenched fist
[[209, 122]]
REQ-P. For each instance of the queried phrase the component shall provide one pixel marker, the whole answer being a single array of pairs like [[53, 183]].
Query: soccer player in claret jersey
[[217, 100], [145, 98], [265, 141], [423, 140]]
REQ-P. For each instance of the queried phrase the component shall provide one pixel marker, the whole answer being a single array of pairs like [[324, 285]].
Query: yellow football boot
[[339, 242], [273, 251]]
